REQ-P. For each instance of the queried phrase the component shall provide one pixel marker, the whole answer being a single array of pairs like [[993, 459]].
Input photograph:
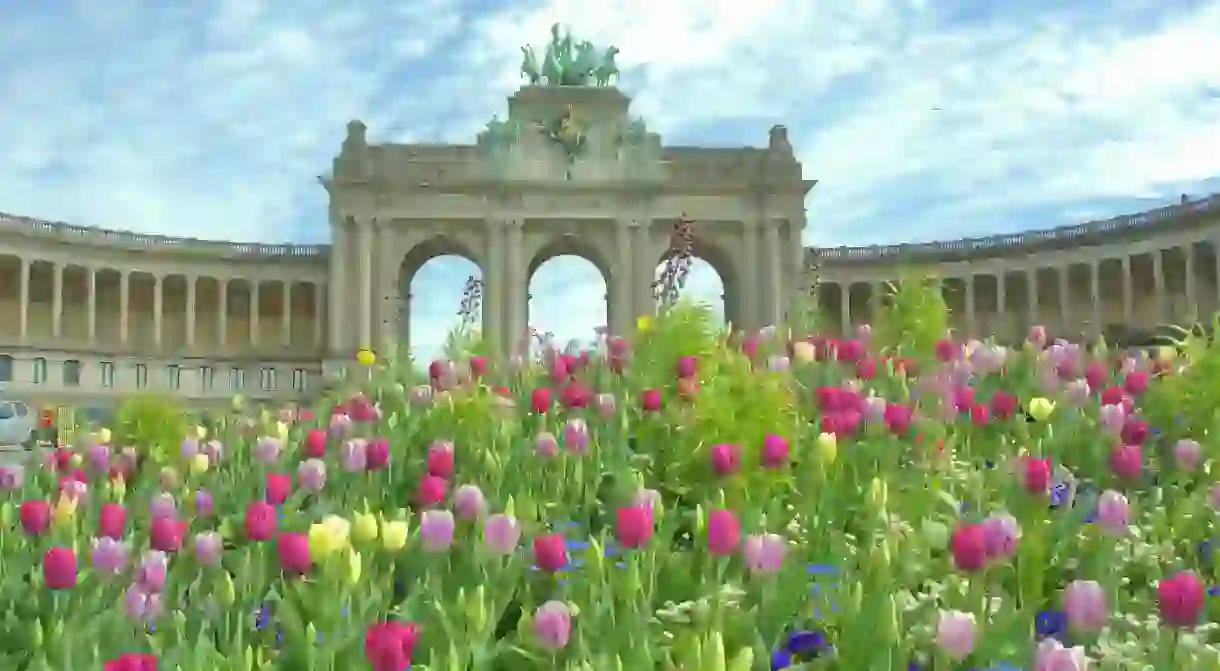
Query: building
[[89, 314]]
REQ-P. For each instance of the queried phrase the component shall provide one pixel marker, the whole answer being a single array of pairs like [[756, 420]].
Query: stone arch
[[397, 317], [726, 267], [579, 246]]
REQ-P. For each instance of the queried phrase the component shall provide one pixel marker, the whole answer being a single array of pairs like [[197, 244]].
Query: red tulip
[[650, 400], [947, 350], [1134, 431], [850, 351], [260, 521], [633, 525], [723, 533], [59, 568], [440, 459], [1136, 382], [550, 553], [687, 366], [1035, 475], [315, 444], [1112, 396], [540, 400], [132, 661], [1180, 599], [725, 458], [292, 550], [388, 646], [774, 451], [111, 520], [35, 516], [866, 369], [897, 418], [1126, 461], [279, 486], [969, 547], [376, 454], [165, 534], [1003, 405], [478, 366], [979, 415], [431, 491]]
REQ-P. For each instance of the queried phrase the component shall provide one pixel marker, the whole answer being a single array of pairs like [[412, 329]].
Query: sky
[[921, 119]]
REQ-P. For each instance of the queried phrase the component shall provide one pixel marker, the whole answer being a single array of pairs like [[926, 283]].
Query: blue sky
[[922, 119]]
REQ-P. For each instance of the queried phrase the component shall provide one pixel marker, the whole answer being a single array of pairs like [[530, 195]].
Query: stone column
[[222, 310], [625, 275], [1031, 295], [845, 309], [336, 332], [286, 314], [57, 300], [158, 307], [1192, 302], [191, 298], [1001, 302], [24, 281], [124, 305], [1158, 283], [386, 316], [91, 281], [1128, 294], [644, 269], [773, 264], [319, 310], [1064, 298], [971, 324], [514, 284], [750, 306], [254, 326], [1095, 297], [364, 236], [494, 283]]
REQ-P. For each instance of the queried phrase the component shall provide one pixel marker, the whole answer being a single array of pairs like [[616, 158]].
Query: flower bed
[[677, 502]]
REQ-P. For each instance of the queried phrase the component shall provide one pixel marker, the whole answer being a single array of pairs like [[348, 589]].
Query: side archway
[[569, 283], [713, 280], [439, 288]]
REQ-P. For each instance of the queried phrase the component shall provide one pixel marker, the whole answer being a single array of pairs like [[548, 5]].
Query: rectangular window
[[237, 379], [141, 375], [174, 375], [71, 373], [40, 370], [108, 374], [300, 379], [267, 378], [6, 368], [207, 378]]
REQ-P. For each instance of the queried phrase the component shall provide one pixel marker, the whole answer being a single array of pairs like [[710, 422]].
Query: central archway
[[439, 299], [712, 280], [569, 284]]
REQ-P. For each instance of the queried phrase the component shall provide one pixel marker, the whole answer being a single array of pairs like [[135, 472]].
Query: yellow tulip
[[201, 432], [354, 568], [340, 531], [364, 528], [103, 436], [320, 542], [75, 460], [200, 463], [643, 323], [803, 351], [1166, 353], [281, 430], [826, 449], [365, 357], [1041, 408], [393, 535], [64, 510], [238, 402]]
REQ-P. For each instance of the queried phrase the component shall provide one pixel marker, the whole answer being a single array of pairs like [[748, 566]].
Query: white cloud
[[921, 119]]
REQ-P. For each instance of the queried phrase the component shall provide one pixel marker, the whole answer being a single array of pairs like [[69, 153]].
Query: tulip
[[431, 491], [726, 458], [393, 535], [1086, 606], [468, 502], [764, 553], [364, 527], [1113, 513], [826, 448], [723, 532], [260, 521], [377, 454], [389, 646], [545, 445], [540, 400], [1126, 461], [1035, 474], [111, 520], [440, 459], [1180, 599], [1187, 454], [576, 436], [59, 568], [311, 475], [141, 606], [553, 625], [152, 571], [279, 486], [267, 450], [1051, 655], [292, 551], [203, 503], [1040, 408], [650, 400], [109, 557], [955, 632], [132, 661], [1000, 535], [436, 530], [207, 548], [968, 545], [501, 533], [165, 534], [314, 445], [11, 477], [633, 526], [550, 552], [353, 455]]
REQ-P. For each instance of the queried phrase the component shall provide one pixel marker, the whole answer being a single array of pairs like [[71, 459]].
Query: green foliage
[[151, 423], [912, 315], [685, 328], [1187, 401]]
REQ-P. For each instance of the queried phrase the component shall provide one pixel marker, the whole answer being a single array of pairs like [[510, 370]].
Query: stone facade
[[87, 315]]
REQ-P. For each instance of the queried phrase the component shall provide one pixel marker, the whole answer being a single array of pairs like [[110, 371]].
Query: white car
[[17, 424]]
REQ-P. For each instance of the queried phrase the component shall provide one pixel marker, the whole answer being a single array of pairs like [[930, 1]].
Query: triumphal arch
[[568, 170]]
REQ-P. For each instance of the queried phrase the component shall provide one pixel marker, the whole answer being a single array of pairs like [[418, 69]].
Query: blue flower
[[799, 646], [1059, 493], [1051, 624]]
